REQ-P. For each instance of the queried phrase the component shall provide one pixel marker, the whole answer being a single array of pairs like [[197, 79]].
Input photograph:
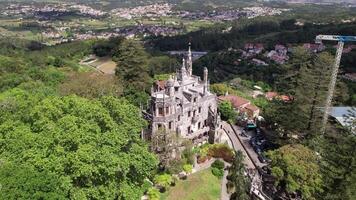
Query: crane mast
[[331, 88]]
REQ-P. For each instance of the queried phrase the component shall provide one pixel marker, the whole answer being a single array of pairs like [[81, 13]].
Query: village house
[[251, 50], [259, 62], [274, 95], [348, 48], [314, 48], [279, 54], [271, 95], [350, 76], [242, 106], [184, 105]]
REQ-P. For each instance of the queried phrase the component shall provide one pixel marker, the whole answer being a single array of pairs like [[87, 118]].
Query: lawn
[[104, 64], [202, 185]]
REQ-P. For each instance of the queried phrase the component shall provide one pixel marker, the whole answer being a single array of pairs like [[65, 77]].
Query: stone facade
[[184, 105]]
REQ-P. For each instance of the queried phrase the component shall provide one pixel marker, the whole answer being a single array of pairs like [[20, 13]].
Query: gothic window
[[205, 123], [159, 126], [167, 110], [178, 117], [195, 99], [189, 113], [199, 109], [194, 113], [199, 125], [170, 124], [160, 111], [189, 129]]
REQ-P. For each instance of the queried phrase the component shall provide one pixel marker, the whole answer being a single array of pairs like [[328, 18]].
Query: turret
[[170, 86], [190, 61], [205, 79]]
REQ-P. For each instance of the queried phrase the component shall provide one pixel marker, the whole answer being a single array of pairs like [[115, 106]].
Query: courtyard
[[202, 185]]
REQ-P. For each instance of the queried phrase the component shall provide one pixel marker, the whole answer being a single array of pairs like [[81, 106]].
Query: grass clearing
[[103, 64], [202, 185]]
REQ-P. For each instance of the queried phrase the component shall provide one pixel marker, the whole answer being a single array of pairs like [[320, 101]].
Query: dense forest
[[261, 30], [63, 137]]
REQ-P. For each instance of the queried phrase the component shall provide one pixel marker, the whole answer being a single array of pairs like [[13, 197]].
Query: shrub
[[204, 149], [188, 168], [218, 164], [163, 180], [175, 166], [174, 180], [202, 152], [221, 151], [146, 185], [227, 111], [202, 159], [188, 154], [153, 194], [217, 172]]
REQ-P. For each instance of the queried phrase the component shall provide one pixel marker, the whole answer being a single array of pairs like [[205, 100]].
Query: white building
[[184, 105]]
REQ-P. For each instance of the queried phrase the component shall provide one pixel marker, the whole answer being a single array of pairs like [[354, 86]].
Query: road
[[251, 160], [245, 142], [236, 144]]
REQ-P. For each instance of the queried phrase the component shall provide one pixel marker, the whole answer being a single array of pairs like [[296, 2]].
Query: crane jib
[[337, 38], [347, 38]]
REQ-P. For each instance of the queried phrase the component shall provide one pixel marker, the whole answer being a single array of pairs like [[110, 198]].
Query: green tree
[[162, 64], [188, 155], [310, 97], [166, 144], [306, 80], [25, 182], [296, 169], [91, 85], [338, 165], [227, 111], [132, 64], [237, 177], [107, 47], [92, 147], [153, 193]]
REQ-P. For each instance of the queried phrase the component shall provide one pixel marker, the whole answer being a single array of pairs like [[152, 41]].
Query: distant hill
[[317, 1], [187, 4]]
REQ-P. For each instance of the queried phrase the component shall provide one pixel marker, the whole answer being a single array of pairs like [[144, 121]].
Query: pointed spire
[[183, 71], [183, 65], [189, 50], [190, 61]]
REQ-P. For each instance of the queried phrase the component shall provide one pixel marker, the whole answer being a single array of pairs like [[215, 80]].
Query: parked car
[[258, 131], [260, 142], [243, 133], [262, 158], [258, 149], [250, 126]]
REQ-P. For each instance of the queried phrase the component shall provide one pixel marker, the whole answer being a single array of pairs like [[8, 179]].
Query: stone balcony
[[198, 133], [195, 119]]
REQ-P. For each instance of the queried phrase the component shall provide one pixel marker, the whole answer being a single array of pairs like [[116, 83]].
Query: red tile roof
[[161, 84], [252, 108], [236, 101], [271, 95]]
